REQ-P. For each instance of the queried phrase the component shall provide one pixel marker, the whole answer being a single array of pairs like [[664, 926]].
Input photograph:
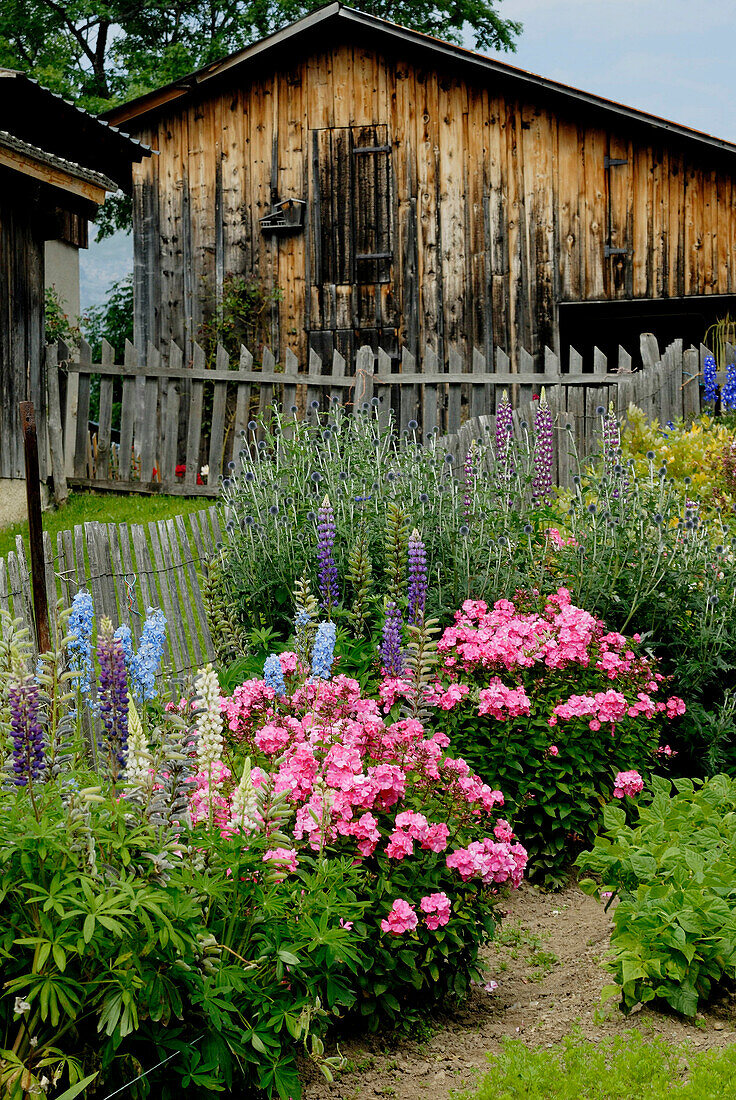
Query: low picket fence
[[128, 568]]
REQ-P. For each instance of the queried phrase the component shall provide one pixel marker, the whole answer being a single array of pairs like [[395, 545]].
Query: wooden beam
[[55, 177]]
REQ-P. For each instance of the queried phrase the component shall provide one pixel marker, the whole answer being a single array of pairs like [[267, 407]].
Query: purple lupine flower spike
[[27, 734], [543, 433], [417, 578], [328, 589], [113, 699], [504, 429], [611, 452], [470, 475], [392, 660]]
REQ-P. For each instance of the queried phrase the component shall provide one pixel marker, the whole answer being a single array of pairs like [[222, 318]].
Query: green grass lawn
[[627, 1067], [106, 508]]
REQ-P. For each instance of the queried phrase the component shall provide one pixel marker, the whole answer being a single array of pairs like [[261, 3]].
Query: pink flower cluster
[[403, 916], [490, 861], [356, 779], [516, 637], [503, 702], [627, 783]]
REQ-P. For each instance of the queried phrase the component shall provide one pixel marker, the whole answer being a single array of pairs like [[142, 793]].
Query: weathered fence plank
[[435, 393]]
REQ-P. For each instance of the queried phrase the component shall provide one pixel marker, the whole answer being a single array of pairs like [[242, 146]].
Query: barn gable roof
[[334, 17], [60, 130]]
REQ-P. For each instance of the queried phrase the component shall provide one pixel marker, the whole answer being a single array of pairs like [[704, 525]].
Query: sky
[[674, 58]]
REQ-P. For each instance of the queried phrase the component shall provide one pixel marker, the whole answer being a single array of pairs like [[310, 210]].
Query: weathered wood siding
[[21, 317], [493, 209]]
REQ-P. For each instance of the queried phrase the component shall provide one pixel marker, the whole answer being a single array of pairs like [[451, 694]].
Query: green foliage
[[120, 968], [113, 320], [380, 486], [59, 325], [240, 315], [626, 1067], [100, 55], [675, 925]]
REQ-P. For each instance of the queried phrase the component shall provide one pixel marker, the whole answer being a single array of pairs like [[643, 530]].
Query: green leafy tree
[[102, 54]]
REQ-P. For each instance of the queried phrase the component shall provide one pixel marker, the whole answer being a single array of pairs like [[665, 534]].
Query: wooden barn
[[56, 165], [397, 190]]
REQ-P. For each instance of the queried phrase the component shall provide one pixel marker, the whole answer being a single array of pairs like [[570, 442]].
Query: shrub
[[127, 936], [549, 705], [421, 827], [637, 550], [673, 869]]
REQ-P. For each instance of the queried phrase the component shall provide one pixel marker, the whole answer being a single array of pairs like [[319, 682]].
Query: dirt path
[[547, 965]]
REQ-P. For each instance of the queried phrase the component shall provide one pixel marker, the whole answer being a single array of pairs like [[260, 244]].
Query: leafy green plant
[[673, 870], [241, 315], [59, 325]]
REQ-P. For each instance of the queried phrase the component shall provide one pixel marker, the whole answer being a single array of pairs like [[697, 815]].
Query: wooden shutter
[[351, 206]]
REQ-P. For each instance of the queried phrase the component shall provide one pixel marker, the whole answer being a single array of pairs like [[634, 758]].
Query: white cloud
[[672, 58]]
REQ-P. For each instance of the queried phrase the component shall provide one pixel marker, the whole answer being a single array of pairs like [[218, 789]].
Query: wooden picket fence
[[127, 569], [177, 419]]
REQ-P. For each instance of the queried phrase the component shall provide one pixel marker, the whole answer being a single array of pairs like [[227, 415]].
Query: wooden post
[[56, 446], [35, 526]]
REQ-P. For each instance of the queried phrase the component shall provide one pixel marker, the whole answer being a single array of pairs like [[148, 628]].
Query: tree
[[102, 52]]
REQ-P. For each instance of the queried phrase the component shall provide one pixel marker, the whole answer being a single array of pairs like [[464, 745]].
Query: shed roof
[[49, 123], [337, 17]]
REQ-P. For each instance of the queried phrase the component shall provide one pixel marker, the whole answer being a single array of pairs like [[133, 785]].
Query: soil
[[547, 964]]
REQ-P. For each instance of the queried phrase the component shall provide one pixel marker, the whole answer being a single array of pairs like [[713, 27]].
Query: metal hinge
[[609, 251], [371, 149], [613, 162]]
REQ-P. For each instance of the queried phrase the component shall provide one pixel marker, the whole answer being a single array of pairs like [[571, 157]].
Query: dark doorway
[[605, 325]]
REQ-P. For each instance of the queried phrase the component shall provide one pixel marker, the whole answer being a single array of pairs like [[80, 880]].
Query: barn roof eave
[[337, 13]]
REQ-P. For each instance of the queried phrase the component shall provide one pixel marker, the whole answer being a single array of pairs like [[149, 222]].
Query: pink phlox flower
[[283, 857], [502, 702], [665, 750], [627, 783], [400, 845], [415, 824], [289, 662], [402, 918], [437, 909], [675, 707], [436, 837], [503, 831]]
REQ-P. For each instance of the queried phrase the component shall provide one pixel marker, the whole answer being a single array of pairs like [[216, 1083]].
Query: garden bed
[[538, 1000]]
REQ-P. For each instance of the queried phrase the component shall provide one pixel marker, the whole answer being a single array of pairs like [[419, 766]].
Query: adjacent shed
[[398, 190], [56, 165]]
